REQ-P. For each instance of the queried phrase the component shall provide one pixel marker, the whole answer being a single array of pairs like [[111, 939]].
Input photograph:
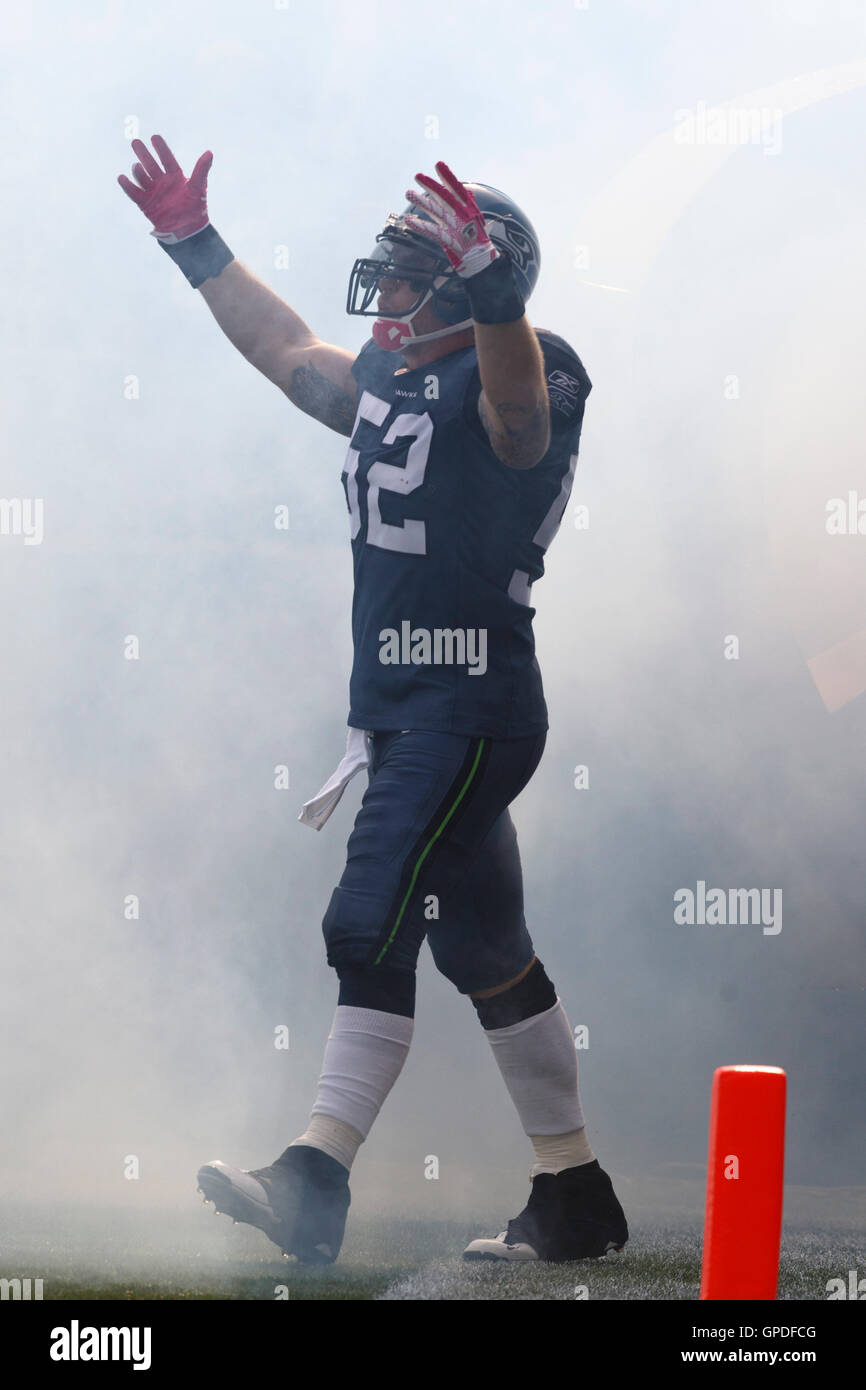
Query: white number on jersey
[[410, 537]]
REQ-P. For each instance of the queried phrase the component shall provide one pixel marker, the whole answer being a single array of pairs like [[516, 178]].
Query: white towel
[[357, 755]]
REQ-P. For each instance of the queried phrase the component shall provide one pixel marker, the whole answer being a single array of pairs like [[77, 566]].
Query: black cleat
[[572, 1215], [300, 1201]]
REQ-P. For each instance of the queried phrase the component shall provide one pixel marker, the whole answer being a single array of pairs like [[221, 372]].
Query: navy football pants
[[434, 853]]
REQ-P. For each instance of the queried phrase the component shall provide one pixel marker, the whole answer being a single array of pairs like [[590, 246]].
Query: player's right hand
[[176, 205]]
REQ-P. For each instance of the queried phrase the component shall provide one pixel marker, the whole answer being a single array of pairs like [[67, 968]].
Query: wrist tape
[[201, 256], [493, 294]]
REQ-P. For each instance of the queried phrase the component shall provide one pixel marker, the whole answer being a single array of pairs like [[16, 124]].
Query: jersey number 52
[[410, 537]]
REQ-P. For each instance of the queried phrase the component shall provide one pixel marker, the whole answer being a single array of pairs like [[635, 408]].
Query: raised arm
[[513, 406], [315, 376]]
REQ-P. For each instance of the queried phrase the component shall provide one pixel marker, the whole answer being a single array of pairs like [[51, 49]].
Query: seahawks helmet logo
[[509, 236]]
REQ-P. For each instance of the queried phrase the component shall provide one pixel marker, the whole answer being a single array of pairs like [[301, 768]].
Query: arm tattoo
[[519, 434], [313, 393]]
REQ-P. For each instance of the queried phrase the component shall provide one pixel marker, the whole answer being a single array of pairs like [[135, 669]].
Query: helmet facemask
[[436, 280], [401, 254]]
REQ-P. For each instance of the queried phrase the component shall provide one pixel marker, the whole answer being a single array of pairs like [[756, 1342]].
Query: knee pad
[[534, 994], [379, 987]]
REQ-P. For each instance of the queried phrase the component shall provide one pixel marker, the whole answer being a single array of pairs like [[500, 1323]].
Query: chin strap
[[393, 334]]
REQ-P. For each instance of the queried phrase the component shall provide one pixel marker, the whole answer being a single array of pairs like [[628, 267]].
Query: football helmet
[[403, 254]]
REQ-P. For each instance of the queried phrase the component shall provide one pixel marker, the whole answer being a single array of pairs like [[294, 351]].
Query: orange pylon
[[745, 1174]]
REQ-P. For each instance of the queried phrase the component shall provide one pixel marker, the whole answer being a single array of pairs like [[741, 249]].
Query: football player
[[463, 424]]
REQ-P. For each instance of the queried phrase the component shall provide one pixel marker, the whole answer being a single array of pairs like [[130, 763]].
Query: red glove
[[176, 206], [458, 224]]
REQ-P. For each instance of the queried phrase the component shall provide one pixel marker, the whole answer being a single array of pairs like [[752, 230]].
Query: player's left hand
[[457, 226]]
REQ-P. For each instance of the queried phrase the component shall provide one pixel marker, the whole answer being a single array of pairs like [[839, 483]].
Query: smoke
[[176, 666]]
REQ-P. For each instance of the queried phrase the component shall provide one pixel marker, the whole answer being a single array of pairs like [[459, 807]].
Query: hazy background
[[716, 296]]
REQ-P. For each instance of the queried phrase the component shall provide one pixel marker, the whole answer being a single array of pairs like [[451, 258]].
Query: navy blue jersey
[[447, 541]]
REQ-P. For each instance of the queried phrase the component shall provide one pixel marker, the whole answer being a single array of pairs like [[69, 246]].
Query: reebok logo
[[563, 391]]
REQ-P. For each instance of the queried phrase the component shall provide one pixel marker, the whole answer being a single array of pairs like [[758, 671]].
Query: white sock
[[337, 1138], [538, 1062], [364, 1056], [554, 1152]]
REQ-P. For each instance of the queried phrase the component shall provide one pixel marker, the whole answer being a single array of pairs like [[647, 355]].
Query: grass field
[[188, 1253]]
